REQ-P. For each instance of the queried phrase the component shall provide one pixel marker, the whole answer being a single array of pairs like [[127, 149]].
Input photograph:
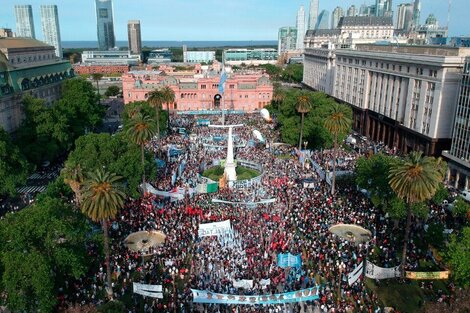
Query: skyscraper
[[50, 27], [287, 39], [323, 21], [338, 13], [313, 14], [300, 28], [134, 37], [404, 16], [105, 24], [351, 11], [380, 7], [416, 13], [24, 21]]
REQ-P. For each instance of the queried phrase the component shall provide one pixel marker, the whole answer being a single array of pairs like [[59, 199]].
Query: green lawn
[[216, 172]]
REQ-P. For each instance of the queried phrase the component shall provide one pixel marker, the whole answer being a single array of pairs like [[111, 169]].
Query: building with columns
[[458, 157], [404, 96], [247, 91]]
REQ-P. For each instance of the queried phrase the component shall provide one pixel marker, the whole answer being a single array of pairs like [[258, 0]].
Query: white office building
[[300, 28], [50, 27], [112, 57], [24, 21], [199, 56]]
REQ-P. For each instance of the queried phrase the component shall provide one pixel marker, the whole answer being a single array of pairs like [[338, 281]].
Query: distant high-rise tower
[[388, 12], [300, 28], [416, 13], [380, 7], [338, 13], [287, 39], [50, 27], [24, 21], [313, 14], [323, 21], [351, 11], [134, 37], [404, 16], [363, 10], [105, 24]]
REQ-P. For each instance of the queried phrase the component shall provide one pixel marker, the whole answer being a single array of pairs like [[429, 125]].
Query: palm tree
[[278, 95], [156, 99], [337, 122], [168, 96], [141, 129], [73, 176], [303, 106], [97, 77], [102, 198], [414, 180]]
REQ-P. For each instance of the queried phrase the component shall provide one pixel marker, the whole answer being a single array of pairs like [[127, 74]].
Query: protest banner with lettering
[[154, 291], [250, 204], [427, 275], [201, 296], [376, 272], [289, 260], [243, 283], [355, 274], [214, 229]]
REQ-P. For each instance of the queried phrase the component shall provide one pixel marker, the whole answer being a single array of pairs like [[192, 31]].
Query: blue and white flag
[[223, 78]]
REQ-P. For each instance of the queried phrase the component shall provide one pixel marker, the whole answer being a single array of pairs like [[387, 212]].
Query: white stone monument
[[230, 166]]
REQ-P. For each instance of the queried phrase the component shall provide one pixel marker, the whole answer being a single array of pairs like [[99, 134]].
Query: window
[[203, 86]]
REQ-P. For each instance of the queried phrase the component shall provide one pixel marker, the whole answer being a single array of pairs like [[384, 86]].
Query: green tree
[[72, 174], [102, 198], [461, 208], [140, 131], [337, 122], [303, 107], [112, 307], [42, 245], [112, 91], [415, 179], [372, 175], [156, 100], [293, 73], [168, 97], [458, 254], [96, 78], [13, 166], [116, 153], [441, 194]]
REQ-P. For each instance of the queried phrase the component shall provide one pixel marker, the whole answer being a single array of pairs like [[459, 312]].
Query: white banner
[[243, 283], [154, 291], [266, 201], [265, 282], [376, 272], [356, 273], [214, 229]]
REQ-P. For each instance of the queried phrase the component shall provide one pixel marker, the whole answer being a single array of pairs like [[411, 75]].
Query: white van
[[466, 195]]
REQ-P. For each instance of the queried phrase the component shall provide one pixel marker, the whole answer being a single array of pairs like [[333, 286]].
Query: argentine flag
[[223, 78]]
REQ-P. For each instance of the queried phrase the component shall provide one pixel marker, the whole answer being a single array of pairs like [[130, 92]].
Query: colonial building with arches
[[28, 66]]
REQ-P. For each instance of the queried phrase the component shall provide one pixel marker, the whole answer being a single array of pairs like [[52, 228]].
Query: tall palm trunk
[[143, 167], [407, 236], [301, 131], [157, 114], [106, 253], [333, 181]]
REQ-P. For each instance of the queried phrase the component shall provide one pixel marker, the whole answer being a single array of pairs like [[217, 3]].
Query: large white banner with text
[[214, 229]]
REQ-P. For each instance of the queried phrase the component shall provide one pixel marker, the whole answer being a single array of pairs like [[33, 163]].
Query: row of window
[[34, 58]]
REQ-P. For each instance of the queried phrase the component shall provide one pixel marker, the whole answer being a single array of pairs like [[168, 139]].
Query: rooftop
[[322, 32], [420, 50], [365, 21], [14, 43]]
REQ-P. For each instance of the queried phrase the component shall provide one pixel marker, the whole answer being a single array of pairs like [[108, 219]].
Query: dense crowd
[[297, 222]]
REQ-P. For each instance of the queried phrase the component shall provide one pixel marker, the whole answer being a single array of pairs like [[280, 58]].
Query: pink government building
[[196, 87]]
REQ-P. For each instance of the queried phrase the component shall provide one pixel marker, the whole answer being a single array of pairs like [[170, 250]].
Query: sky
[[206, 20]]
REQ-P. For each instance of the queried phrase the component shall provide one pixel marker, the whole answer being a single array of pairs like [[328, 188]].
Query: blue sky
[[206, 19]]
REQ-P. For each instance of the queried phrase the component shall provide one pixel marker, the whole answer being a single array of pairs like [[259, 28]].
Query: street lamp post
[[173, 272]]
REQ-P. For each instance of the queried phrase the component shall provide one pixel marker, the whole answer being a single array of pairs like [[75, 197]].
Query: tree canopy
[[458, 254], [41, 246], [116, 153], [13, 166]]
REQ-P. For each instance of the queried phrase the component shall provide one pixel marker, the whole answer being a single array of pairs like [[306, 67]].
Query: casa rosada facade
[[243, 91]]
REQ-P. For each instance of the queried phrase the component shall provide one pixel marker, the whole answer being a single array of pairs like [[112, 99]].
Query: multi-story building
[[248, 91], [112, 57], [50, 27], [198, 56], [250, 56], [312, 14], [299, 45], [459, 155], [134, 37], [24, 21], [319, 69], [353, 30], [28, 66], [403, 96], [87, 69], [6, 32], [323, 21], [416, 14], [405, 17], [427, 33], [160, 56], [105, 24], [338, 13], [287, 39], [352, 11]]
